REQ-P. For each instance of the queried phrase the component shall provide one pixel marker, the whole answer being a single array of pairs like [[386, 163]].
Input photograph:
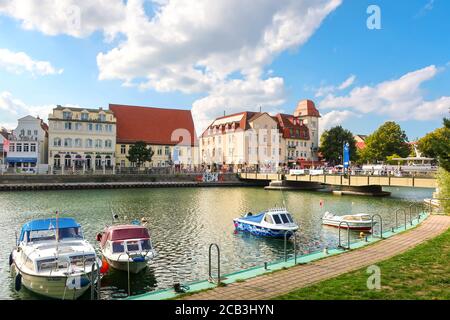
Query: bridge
[[358, 184]]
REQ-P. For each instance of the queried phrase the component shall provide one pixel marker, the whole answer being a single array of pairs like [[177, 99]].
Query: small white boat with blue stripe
[[274, 223]]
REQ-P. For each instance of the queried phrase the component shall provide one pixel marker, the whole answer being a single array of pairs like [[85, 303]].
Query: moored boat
[[360, 221], [127, 247], [53, 259], [275, 223]]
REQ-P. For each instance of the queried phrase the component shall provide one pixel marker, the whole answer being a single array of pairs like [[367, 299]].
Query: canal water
[[183, 222]]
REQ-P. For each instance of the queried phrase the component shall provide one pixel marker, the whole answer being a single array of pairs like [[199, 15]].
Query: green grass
[[420, 273]]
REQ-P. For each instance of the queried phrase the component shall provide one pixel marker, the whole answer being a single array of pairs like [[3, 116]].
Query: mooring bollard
[[265, 266]]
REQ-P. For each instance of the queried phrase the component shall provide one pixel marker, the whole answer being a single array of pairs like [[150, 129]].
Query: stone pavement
[[282, 282]]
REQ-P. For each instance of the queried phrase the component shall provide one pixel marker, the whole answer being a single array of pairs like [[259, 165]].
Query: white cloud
[[325, 90], [12, 109], [20, 62], [334, 118], [400, 99], [77, 18], [347, 83]]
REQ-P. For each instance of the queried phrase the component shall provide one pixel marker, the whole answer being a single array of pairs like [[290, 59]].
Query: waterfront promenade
[[282, 282]]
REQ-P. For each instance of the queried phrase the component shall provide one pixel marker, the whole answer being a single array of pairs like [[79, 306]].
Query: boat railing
[[348, 235], [211, 278], [372, 224], [95, 287], [397, 211]]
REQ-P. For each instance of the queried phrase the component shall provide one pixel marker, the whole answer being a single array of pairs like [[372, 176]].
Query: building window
[[159, 151], [78, 126], [90, 127], [109, 128], [68, 142], [89, 143], [85, 116], [98, 143], [19, 147], [67, 115], [122, 163], [123, 149], [11, 147], [29, 132], [108, 144], [167, 151], [68, 126], [33, 147], [102, 117], [26, 147], [57, 142], [77, 142], [22, 132], [35, 132]]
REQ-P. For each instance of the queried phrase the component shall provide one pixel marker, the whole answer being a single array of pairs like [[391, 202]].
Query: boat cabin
[[45, 230], [126, 238], [276, 216]]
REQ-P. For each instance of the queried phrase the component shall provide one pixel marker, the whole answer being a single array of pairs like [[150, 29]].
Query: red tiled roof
[[152, 125], [287, 122], [243, 123], [306, 108]]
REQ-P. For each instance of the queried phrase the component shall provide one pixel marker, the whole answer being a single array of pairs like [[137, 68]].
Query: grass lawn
[[420, 273]]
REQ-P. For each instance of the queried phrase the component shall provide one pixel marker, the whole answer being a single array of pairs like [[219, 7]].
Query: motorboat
[[126, 247], [53, 259], [360, 221], [275, 223]]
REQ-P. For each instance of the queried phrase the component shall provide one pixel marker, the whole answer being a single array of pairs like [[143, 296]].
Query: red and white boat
[[360, 221], [126, 247]]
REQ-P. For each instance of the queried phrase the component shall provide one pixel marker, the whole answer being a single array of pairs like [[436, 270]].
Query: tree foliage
[[140, 153], [436, 145], [332, 144], [388, 140]]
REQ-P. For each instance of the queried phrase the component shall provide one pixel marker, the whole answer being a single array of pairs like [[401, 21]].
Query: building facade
[[81, 139], [170, 133], [28, 145], [262, 141]]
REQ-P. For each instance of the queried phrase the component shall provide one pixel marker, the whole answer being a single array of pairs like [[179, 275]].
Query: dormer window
[[67, 115], [102, 117], [84, 116]]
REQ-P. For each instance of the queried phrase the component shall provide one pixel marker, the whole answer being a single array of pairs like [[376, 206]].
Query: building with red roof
[[169, 132], [283, 138]]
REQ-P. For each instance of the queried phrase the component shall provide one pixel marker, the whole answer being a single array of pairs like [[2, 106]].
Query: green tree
[[140, 153], [332, 144], [436, 145], [388, 140]]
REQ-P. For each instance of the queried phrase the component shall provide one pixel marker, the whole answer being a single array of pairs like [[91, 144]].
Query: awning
[[20, 160]]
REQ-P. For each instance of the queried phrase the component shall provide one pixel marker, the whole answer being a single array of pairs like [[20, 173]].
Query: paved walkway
[[282, 282]]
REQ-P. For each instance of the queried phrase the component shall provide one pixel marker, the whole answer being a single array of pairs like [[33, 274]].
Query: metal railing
[[348, 235], [373, 224], [95, 286], [294, 234], [211, 278]]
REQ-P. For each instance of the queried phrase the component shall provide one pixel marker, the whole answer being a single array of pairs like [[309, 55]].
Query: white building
[[81, 140], [28, 146]]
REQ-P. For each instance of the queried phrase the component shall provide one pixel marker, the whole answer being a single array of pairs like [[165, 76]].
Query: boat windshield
[[46, 235], [282, 218], [131, 246]]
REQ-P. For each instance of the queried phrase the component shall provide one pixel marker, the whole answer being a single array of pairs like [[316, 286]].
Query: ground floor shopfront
[[85, 161]]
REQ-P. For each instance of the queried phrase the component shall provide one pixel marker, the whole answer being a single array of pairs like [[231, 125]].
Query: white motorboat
[[127, 247], [53, 259], [359, 221], [275, 223]]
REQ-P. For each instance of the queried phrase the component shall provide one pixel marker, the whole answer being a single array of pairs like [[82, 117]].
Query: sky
[[230, 56]]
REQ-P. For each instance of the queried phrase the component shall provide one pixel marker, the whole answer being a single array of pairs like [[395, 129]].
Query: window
[[57, 142], [90, 127], [159, 151], [35, 132], [68, 142], [146, 245], [67, 115], [98, 143], [11, 147], [19, 147], [117, 247], [68, 125], [167, 151], [132, 246], [85, 116], [268, 219], [109, 128], [33, 147], [89, 143], [26, 147], [108, 144], [102, 117], [290, 218], [284, 218], [77, 142], [123, 149], [276, 218], [78, 126], [22, 132], [98, 127], [29, 132]]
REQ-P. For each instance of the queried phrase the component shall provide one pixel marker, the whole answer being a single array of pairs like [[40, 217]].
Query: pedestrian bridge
[[348, 180]]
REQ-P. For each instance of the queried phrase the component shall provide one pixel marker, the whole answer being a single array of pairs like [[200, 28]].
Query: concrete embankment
[[68, 182]]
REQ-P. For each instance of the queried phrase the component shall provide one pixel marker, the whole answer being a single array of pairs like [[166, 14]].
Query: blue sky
[[229, 56]]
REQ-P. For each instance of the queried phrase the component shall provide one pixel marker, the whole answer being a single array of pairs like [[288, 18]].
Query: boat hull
[[53, 287], [351, 225], [262, 231], [135, 267]]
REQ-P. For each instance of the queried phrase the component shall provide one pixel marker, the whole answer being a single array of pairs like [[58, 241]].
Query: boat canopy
[[256, 218], [119, 233], [47, 224]]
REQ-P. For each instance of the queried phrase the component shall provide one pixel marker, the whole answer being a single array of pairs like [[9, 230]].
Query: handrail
[[95, 287], [293, 233], [348, 234], [381, 225], [211, 278]]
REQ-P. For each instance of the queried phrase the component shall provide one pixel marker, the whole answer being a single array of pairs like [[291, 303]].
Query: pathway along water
[[183, 222]]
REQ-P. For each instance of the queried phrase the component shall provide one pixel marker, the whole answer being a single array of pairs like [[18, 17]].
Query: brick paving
[[282, 282]]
